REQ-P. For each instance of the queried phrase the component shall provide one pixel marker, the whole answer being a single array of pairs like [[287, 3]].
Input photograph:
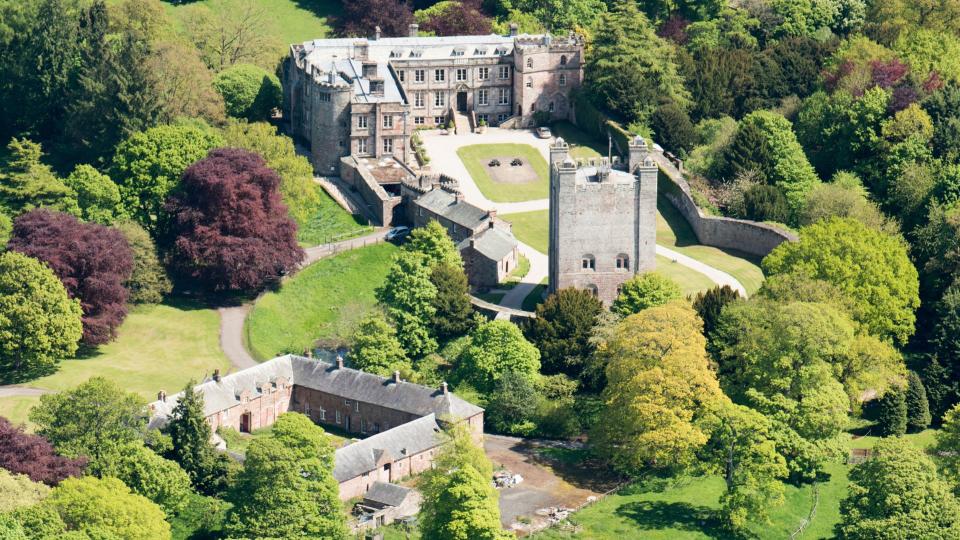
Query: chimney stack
[[459, 196], [396, 377], [376, 33], [339, 362], [414, 30], [514, 29], [161, 396], [216, 375], [443, 387]]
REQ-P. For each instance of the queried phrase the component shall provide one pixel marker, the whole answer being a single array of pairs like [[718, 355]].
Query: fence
[[810, 517]]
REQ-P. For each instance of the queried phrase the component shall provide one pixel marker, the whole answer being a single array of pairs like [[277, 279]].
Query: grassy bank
[[475, 158], [322, 302]]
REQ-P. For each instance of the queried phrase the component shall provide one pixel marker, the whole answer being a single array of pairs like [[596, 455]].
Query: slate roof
[[494, 243], [404, 440], [387, 494], [417, 48], [445, 203], [324, 376]]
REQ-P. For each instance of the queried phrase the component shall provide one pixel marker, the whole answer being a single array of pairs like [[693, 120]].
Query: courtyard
[[507, 172]]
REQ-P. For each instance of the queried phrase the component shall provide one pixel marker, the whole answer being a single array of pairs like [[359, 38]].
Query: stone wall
[[722, 232], [379, 203]]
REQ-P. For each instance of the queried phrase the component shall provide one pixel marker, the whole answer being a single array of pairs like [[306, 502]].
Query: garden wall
[[380, 204], [722, 232]]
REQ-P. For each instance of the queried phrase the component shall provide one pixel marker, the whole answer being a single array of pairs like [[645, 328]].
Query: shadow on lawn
[[659, 515]]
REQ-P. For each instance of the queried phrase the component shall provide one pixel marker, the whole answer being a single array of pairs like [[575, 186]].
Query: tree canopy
[[495, 348], [34, 456], [92, 505], [375, 348], [644, 291], [562, 328], [249, 92], [39, 323]]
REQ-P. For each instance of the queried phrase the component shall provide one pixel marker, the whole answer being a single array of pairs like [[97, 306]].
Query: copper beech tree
[[92, 261], [229, 229]]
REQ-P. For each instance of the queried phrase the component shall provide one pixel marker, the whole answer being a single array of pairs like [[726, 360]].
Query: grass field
[[291, 21], [322, 302], [533, 299], [159, 347], [476, 156], [691, 282], [531, 228], [330, 223], [582, 146], [674, 232]]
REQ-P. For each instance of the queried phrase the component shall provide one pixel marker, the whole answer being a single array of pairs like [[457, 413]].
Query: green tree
[[765, 142], [10, 529], [148, 165], [742, 449], [190, 433], [92, 419], [918, 408], [645, 291], [892, 412], [433, 242], [947, 447], [39, 323], [766, 203], [497, 347], [287, 487], [708, 305], [148, 282], [512, 406], [453, 313], [228, 32], [249, 92], [375, 348], [299, 191], [673, 128], [897, 494], [19, 491], [844, 197], [630, 69], [93, 505], [785, 361], [408, 294], [660, 387], [97, 196], [145, 473], [27, 183], [869, 266], [562, 329], [462, 504]]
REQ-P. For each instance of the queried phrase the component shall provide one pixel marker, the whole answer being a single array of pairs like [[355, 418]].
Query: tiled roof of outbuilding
[[445, 203], [404, 440], [387, 494]]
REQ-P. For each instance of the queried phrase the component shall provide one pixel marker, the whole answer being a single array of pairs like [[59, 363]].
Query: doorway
[[462, 101], [348, 423], [245, 423]]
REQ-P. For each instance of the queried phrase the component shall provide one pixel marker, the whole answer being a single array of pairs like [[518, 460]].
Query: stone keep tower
[[602, 220]]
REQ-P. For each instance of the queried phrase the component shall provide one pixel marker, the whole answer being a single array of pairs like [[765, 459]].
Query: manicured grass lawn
[[535, 297], [690, 281], [330, 223], [291, 21], [493, 298], [531, 228], [522, 269], [582, 146], [322, 302], [159, 347], [476, 156], [674, 232]]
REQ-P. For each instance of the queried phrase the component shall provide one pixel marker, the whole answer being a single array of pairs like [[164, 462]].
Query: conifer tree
[[892, 412], [918, 408], [454, 313], [190, 435]]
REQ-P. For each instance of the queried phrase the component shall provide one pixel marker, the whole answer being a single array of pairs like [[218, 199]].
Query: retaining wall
[[380, 204]]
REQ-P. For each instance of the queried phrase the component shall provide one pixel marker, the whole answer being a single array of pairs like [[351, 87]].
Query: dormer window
[[416, 53], [480, 51], [459, 51], [396, 53]]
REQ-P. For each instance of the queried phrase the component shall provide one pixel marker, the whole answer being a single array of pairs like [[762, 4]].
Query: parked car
[[544, 132], [397, 234]]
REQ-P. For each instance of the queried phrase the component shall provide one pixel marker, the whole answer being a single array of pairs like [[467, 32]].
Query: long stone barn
[[400, 420]]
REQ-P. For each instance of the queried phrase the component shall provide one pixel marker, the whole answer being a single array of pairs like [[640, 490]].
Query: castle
[[403, 420], [603, 224], [364, 97]]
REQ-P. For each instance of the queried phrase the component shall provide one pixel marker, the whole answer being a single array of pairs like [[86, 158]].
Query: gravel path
[[538, 272], [14, 390]]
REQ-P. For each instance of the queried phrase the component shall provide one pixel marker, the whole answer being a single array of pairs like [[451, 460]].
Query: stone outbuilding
[[489, 257], [384, 504], [403, 419]]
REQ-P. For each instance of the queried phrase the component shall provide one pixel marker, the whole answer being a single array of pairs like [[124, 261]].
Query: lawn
[[582, 146], [674, 232], [323, 302], [531, 228], [330, 223], [291, 21], [159, 347], [535, 297], [690, 281], [476, 156]]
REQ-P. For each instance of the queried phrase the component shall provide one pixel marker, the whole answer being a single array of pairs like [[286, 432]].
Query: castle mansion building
[[602, 220], [364, 97]]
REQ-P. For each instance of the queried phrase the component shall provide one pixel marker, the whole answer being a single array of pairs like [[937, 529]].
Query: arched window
[[593, 289], [623, 262], [529, 82], [563, 60], [551, 106], [588, 262], [563, 79], [529, 62]]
